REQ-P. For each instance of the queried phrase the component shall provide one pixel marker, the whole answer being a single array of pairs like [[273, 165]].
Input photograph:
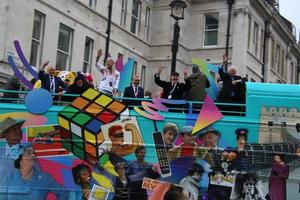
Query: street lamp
[[177, 12], [108, 30], [230, 4]]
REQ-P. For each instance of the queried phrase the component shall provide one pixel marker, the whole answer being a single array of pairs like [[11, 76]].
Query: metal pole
[[175, 46], [230, 4], [108, 30]]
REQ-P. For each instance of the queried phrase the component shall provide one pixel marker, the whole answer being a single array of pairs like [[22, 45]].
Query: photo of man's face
[[116, 135], [13, 135], [241, 141], [121, 137], [169, 137], [174, 78], [210, 140], [188, 139]]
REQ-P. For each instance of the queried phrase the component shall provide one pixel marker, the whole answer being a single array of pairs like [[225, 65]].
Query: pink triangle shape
[[119, 64], [209, 114]]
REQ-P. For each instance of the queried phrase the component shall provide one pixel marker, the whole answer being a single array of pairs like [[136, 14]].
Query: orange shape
[[100, 138], [79, 103], [116, 107], [94, 109], [89, 148]]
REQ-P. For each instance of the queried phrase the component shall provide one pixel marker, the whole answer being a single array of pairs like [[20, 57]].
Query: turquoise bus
[[97, 148]]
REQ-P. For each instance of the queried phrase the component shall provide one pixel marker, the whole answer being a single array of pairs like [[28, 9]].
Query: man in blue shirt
[[11, 135], [27, 182]]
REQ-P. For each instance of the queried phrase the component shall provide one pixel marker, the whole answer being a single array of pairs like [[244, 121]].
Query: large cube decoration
[[80, 123]]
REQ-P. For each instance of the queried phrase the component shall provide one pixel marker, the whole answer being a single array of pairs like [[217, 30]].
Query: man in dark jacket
[[51, 82], [134, 91], [173, 90], [233, 90], [232, 84]]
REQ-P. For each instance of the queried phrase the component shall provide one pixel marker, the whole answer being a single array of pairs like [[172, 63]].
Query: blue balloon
[[38, 101]]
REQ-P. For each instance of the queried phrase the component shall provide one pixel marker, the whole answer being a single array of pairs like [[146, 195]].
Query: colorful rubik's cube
[[80, 123]]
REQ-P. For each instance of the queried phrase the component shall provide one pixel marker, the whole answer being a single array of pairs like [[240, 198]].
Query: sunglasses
[[119, 135]]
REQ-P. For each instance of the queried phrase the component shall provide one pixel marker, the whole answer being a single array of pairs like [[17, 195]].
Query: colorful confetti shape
[[38, 101], [209, 114], [80, 123]]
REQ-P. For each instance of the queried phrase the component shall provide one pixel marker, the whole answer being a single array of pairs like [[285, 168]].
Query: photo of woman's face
[[85, 176], [249, 187], [121, 170], [277, 159], [28, 157]]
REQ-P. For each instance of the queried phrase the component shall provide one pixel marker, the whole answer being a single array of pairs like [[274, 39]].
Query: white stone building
[[69, 32]]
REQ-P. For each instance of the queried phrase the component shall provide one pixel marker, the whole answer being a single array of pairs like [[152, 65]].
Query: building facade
[[69, 32]]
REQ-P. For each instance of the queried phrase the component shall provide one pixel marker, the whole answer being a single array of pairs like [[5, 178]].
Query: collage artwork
[[98, 135], [97, 148]]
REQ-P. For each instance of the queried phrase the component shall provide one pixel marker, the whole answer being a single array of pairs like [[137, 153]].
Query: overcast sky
[[290, 9]]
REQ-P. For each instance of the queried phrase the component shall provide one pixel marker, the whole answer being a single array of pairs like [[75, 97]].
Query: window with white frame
[[143, 76], [273, 54], [123, 13], [87, 59], [296, 81], [282, 69], [255, 39], [64, 47], [262, 40], [134, 70], [277, 58], [147, 23], [249, 32], [135, 16], [92, 3], [37, 39], [292, 72], [211, 29]]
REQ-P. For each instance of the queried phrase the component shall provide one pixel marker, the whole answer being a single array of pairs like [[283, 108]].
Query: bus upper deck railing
[[18, 97]]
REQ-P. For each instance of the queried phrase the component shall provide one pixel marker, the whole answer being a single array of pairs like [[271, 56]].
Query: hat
[[80, 76], [175, 74], [241, 131], [207, 130], [89, 77], [186, 129], [23, 147], [8, 123], [112, 130]]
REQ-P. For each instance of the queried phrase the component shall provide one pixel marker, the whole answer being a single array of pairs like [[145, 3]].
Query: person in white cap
[[11, 136]]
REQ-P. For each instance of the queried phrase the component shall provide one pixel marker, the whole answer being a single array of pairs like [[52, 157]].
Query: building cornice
[[271, 15]]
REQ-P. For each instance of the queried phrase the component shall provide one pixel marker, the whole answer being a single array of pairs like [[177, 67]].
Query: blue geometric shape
[[38, 101], [18, 73], [94, 126], [24, 60]]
